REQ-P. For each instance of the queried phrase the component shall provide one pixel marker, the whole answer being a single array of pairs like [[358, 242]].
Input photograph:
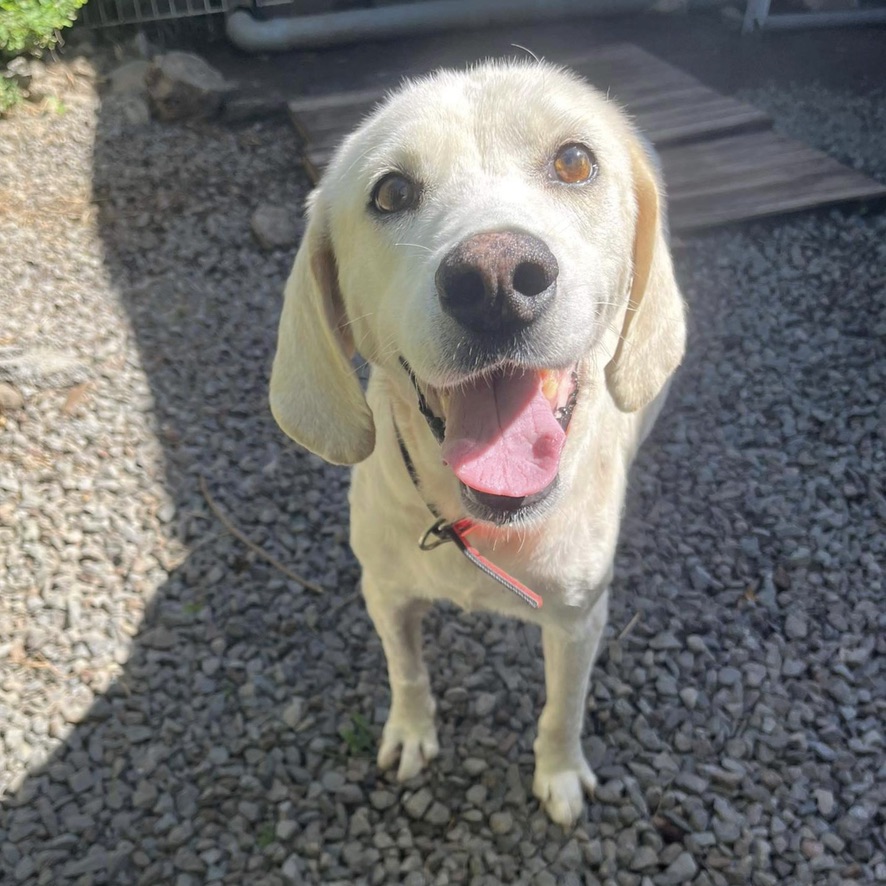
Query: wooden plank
[[329, 126], [713, 179], [741, 177], [722, 162], [669, 105], [765, 146], [709, 119], [707, 213], [666, 123], [318, 159], [331, 100], [812, 175], [681, 96], [745, 158], [750, 199], [723, 158]]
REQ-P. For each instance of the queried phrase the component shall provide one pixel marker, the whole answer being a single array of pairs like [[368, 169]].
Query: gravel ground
[[177, 711]]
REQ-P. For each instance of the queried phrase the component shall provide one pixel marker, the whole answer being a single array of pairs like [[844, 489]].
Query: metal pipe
[[402, 19], [836, 19]]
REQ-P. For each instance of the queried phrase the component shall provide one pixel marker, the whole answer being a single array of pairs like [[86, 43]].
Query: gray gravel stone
[[484, 704], [795, 626], [474, 766], [438, 814], [681, 870], [419, 802], [382, 799], [501, 822], [24, 869], [610, 792], [665, 640], [691, 782], [824, 801], [689, 696], [476, 794], [285, 830], [729, 676], [644, 859], [293, 712]]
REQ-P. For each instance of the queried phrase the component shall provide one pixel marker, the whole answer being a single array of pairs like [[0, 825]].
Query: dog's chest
[[566, 569]]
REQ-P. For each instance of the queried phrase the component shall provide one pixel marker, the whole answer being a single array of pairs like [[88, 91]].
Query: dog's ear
[[653, 336], [316, 396]]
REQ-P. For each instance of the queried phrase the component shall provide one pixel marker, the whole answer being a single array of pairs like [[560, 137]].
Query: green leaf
[[29, 26]]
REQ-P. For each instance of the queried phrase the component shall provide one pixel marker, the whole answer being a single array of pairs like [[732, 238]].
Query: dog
[[493, 243]]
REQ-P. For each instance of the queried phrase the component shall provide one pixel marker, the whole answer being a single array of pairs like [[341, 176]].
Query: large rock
[[10, 398], [130, 78], [275, 227], [19, 71], [130, 108], [182, 86], [41, 367]]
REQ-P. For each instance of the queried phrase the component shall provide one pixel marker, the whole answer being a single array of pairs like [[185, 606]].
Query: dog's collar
[[435, 423], [443, 531]]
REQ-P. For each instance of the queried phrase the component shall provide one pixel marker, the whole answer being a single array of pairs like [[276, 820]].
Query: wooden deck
[[722, 161]]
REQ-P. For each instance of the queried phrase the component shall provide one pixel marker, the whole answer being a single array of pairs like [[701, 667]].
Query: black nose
[[497, 281]]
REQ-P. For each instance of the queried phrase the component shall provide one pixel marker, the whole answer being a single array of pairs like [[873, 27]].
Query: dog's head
[[501, 233]]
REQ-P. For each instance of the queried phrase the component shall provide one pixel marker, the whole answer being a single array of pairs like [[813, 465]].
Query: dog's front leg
[[410, 729], [562, 773]]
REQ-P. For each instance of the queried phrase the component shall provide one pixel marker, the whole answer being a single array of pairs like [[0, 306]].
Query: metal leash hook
[[440, 533]]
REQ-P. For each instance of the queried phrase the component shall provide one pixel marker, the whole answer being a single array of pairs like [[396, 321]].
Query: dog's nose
[[497, 280]]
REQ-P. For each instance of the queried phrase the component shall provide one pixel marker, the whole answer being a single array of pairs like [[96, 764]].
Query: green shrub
[[29, 26], [10, 94]]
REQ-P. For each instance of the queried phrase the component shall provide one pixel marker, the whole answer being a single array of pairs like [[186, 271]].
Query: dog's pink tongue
[[502, 437]]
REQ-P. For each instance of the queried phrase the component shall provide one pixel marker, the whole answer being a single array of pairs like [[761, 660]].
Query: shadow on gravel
[[238, 744], [192, 751]]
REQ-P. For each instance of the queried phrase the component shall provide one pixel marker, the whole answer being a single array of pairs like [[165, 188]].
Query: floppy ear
[[315, 394], [653, 335]]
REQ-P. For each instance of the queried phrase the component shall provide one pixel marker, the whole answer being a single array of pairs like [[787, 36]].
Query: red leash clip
[[442, 532]]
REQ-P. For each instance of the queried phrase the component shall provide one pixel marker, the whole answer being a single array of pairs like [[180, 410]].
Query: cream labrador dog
[[493, 243]]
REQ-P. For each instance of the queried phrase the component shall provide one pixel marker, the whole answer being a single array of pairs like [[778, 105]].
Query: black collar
[[435, 423]]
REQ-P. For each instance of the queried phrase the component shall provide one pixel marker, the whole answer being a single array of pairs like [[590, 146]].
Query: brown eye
[[394, 193], [575, 164]]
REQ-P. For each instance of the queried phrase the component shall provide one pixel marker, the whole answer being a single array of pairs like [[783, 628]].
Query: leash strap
[[442, 531]]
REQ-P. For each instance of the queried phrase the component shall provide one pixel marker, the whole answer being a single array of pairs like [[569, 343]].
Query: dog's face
[[485, 230]]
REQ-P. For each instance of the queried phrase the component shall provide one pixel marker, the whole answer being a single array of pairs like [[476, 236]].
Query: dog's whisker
[[529, 52], [353, 320], [416, 246], [360, 157]]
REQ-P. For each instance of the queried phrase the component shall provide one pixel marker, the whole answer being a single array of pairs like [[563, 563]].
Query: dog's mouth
[[504, 436]]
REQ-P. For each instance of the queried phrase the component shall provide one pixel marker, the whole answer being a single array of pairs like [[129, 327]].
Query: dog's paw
[[414, 743], [561, 791]]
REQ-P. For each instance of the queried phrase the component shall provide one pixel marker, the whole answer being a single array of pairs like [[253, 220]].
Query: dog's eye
[[394, 193], [575, 164]]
